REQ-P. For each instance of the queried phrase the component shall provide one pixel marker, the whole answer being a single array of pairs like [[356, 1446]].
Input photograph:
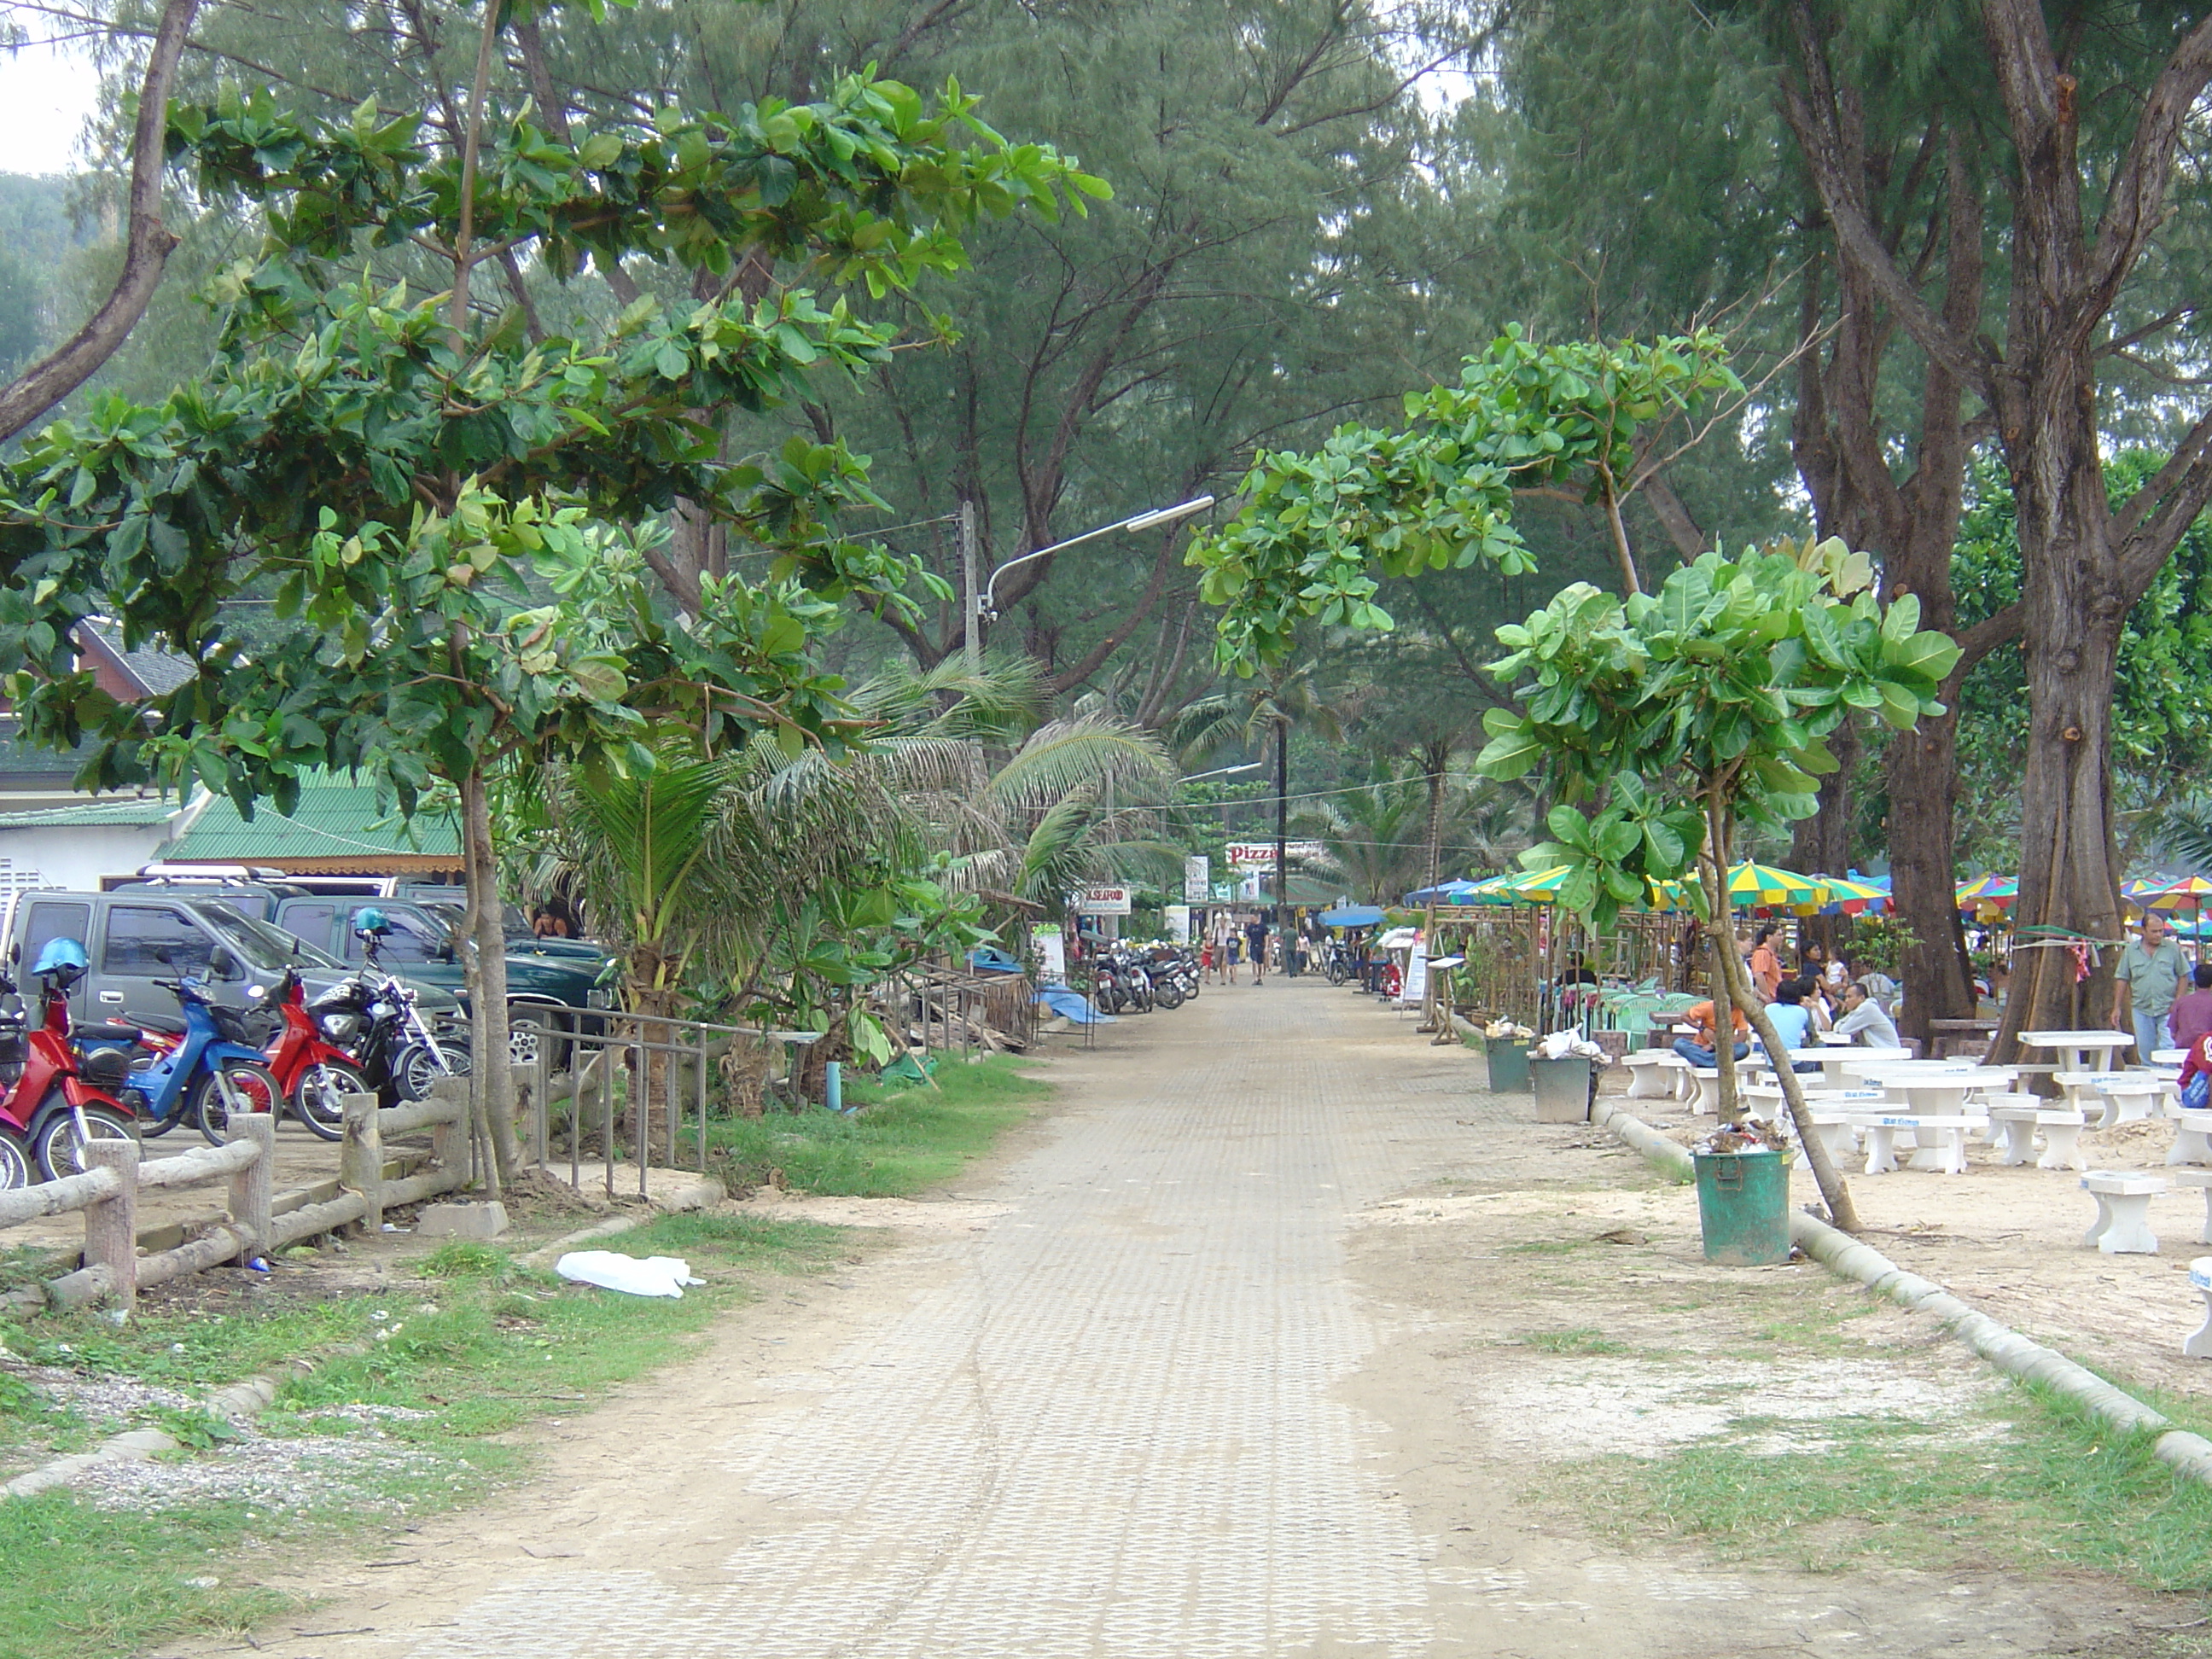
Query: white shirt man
[[1864, 1022]]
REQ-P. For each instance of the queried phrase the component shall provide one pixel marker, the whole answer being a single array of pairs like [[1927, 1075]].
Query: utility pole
[[971, 597], [1283, 840]]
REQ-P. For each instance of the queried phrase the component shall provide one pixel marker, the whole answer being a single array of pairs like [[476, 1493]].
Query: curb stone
[[2000, 1344]]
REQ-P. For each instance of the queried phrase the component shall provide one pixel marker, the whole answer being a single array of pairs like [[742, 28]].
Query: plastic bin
[[1563, 1089], [1508, 1064], [1743, 1207]]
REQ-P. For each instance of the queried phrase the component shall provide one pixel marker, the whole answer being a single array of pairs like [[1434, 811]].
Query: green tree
[[415, 480], [1667, 723]]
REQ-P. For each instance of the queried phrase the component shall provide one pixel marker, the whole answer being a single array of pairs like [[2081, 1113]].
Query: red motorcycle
[[56, 1099], [315, 1072]]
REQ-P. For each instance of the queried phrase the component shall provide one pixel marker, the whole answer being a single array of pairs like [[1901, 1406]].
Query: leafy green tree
[[411, 478], [1667, 723]]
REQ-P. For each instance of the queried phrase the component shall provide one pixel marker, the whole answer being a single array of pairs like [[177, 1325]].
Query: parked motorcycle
[[373, 1016], [57, 1100], [205, 1067], [313, 1074]]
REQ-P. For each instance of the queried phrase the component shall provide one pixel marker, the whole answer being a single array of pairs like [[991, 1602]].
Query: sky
[[46, 94]]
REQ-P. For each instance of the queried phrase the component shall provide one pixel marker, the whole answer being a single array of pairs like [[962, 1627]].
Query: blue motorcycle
[[205, 1066]]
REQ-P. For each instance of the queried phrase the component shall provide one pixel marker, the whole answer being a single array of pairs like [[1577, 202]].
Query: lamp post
[[1135, 525]]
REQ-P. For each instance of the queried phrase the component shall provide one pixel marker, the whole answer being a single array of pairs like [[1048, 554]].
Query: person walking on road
[[2150, 975], [1256, 940]]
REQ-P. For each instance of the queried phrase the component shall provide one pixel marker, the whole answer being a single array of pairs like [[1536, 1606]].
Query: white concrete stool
[[2199, 1347], [1651, 1074], [1707, 1101], [2201, 1179], [1948, 1155], [2193, 1138], [2131, 1095], [2061, 1135], [2122, 1223], [1836, 1131]]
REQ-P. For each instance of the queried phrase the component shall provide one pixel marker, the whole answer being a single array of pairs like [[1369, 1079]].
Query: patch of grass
[[86, 1582], [482, 1346], [895, 1143], [1582, 1340], [2032, 1479]]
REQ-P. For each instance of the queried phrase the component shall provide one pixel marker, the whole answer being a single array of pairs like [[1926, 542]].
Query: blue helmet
[[371, 920], [62, 956]]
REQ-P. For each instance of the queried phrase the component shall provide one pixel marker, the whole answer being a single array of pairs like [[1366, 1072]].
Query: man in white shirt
[[1863, 1020]]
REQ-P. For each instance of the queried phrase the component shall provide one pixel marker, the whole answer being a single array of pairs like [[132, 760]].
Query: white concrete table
[[2122, 1223], [1832, 1056], [2079, 1051], [1940, 1093], [1948, 1155], [2133, 1096]]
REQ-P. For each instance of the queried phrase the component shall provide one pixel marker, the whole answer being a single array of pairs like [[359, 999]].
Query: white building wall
[[77, 857]]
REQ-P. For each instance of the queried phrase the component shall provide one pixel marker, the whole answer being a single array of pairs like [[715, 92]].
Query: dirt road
[[1214, 1364]]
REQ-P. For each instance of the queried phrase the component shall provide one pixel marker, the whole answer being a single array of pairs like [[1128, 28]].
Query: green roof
[[122, 810], [335, 819]]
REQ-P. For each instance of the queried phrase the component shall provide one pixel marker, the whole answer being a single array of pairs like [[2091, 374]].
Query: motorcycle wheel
[[1336, 974], [15, 1167], [61, 1153], [254, 1087], [316, 1097], [1168, 993], [414, 1068]]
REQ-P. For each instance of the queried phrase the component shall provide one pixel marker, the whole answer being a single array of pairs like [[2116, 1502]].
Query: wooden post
[[526, 1095], [361, 1159], [449, 1137], [111, 1224], [541, 1080], [250, 1188]]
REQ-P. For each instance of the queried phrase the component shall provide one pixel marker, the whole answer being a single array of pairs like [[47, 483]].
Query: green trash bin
[[1508, 1064], [1743, 1207]]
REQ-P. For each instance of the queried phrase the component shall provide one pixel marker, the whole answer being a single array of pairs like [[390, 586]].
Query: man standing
[[2149, 978], [1255, 946]]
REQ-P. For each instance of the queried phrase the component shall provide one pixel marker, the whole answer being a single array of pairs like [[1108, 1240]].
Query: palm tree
[[1260, 714]]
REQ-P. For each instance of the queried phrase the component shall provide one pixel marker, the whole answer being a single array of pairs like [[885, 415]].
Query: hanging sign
[[1197, 878], [1102, 902]]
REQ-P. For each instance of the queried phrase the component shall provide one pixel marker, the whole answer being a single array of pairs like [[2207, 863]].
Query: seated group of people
[[1798, 1011]]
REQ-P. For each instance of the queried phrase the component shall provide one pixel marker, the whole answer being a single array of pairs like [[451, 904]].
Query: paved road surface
[[1118, 1419]]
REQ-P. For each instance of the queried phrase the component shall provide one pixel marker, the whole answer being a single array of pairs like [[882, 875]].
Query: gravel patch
[[274, 1474]]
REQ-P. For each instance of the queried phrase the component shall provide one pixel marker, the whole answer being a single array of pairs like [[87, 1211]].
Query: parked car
[[422, 947], [138, 935]]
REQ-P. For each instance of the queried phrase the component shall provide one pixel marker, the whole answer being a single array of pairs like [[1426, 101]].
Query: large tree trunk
[[1923, 769], [2076, 600]]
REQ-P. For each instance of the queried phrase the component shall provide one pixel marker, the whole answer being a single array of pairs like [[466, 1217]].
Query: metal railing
[[589, 1039]]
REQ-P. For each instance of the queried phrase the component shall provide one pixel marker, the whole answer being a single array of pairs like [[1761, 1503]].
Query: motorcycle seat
[[168, 1022], [104, 1033]]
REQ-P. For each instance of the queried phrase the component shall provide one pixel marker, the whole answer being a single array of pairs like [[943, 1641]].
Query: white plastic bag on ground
[[653, 1275]]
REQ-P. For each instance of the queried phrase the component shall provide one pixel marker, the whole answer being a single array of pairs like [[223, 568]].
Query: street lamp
[[1223, 772], [1135, 525]]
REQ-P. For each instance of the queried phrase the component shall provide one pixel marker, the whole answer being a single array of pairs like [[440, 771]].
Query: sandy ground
[[1242, 1349], [2009, 1241]]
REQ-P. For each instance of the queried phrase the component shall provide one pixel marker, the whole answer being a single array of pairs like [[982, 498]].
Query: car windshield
[[270, 949], [512, 922]]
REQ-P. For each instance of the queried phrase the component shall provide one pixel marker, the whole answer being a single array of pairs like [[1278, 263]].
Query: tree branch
[[146, 248]]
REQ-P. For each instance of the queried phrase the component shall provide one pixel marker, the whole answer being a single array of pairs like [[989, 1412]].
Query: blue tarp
[[1073, 1004], [989, 959], [1351, 915]]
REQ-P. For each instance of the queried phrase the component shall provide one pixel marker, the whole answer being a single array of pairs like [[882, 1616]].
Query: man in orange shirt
[[1702, 1051]]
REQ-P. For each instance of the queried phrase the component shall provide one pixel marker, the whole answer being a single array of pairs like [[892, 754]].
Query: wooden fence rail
[[107, 1193]]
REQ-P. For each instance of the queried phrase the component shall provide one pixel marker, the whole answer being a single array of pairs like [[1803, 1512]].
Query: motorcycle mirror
[[162, 955], [223, 965]]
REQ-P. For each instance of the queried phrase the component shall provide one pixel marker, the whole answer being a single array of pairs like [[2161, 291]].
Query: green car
[[424, 947]]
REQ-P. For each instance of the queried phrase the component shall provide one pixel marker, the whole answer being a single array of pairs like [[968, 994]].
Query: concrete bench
[[2120, 1097], [2202, 1180], [1657, 1074], [1948, 1154], [2122, 1223], [2193, 1138], [2199, 1347], [2061, 1135], [1707, 1100]]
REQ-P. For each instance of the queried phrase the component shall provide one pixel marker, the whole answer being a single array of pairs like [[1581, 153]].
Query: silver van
[[135, 935]]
